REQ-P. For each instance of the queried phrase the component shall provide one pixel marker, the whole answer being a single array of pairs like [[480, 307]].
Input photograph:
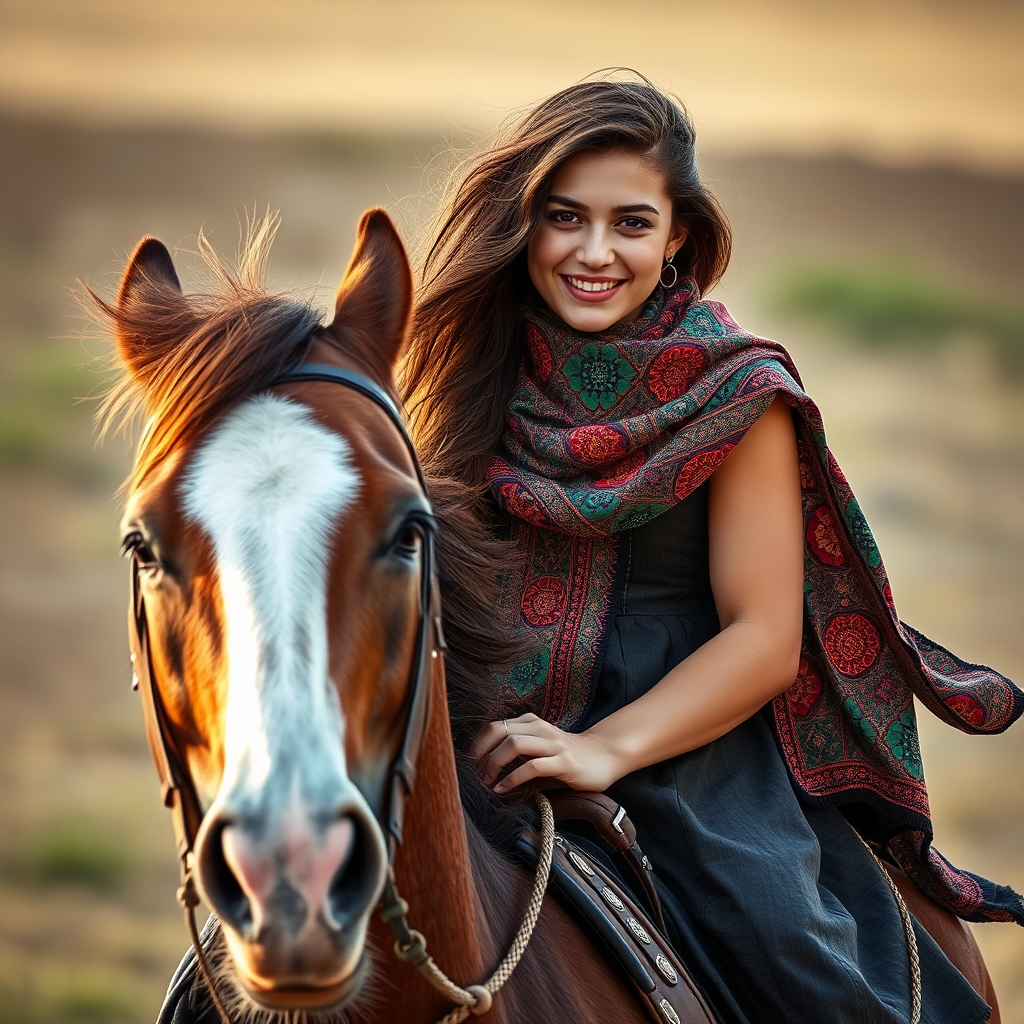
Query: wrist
[[617, 746]]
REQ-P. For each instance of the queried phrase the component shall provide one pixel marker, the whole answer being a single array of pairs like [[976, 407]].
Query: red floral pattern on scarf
[[672, 372], [968, 708], [852, 643], [597, 444], [697, 469], [544, 601], [822, 538], [803, 696], [540, 354]]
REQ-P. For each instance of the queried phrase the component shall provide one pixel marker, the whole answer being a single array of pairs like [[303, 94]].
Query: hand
[[580, 760]]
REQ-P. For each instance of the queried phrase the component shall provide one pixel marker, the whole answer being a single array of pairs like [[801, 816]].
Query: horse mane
[[185, 360], [469, 558]]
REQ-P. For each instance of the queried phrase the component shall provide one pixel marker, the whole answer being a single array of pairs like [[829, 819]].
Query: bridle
[[178, 790]]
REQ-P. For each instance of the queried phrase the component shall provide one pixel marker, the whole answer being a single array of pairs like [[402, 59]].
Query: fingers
[[539, 767], [487, 739], [495, 732], [529, 748], [517, 745]]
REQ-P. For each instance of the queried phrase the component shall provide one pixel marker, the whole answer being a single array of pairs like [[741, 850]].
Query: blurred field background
[[871, 158]]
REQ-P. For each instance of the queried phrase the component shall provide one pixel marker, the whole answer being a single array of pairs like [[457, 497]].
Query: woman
[[685, 547]]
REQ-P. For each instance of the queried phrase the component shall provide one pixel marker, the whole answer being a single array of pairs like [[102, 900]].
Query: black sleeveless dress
[[776, 906]]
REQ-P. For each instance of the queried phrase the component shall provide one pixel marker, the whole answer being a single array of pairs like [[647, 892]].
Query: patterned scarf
[[606, 431]]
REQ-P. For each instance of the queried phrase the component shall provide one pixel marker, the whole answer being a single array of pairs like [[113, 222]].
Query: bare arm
[[754, 526], [756, 562]]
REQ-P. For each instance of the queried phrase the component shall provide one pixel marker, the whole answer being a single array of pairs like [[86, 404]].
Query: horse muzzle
[[294, 900]]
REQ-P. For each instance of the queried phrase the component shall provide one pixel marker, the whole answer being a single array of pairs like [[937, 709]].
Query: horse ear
[[374, 300], [150, 264], [149, 290]]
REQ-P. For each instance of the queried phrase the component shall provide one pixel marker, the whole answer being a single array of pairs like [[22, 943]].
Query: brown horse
[[278, 533]]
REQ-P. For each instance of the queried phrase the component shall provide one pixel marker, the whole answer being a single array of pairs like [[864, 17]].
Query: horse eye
[[135, 544], [407, 543]]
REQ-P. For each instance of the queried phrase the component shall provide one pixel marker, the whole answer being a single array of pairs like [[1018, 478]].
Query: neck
[[435, 875]]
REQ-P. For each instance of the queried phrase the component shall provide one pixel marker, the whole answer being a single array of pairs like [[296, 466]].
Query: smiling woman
[[707, 629]]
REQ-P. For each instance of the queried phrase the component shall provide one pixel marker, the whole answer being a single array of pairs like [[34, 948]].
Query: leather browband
[[356, 381]]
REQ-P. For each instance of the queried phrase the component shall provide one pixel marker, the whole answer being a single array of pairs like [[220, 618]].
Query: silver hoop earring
[[675, 273]]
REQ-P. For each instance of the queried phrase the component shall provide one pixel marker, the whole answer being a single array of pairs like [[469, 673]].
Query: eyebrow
[[632, 208]]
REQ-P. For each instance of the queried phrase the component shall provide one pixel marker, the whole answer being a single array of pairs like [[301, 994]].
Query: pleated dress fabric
[[777, 908]]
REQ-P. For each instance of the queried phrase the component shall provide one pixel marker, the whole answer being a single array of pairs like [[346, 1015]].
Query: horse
[[289, 646], [278, 533]]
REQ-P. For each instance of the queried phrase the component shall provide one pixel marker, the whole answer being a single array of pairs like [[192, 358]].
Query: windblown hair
[[460, 368]]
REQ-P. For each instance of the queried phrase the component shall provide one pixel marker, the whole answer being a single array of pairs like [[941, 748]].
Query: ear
[[149, 265], [149, 294], [677, 239], [374, 300]]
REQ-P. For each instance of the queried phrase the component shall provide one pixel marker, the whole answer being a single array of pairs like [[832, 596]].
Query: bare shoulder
[[767, 450], [754, 525]]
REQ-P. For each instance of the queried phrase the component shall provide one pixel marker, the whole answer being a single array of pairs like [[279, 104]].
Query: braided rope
[[477, 999], [908, 931]]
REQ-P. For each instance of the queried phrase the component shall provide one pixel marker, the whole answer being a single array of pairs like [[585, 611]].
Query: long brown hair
[[460, 368]]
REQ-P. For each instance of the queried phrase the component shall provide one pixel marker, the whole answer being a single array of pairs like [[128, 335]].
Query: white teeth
[[592, 286]]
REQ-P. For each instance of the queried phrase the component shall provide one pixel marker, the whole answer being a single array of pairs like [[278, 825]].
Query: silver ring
[[504, 722]]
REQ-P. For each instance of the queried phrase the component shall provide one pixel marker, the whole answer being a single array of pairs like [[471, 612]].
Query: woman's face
[[600, 246]]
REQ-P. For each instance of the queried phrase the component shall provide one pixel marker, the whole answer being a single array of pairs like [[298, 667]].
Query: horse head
[[277, 531]]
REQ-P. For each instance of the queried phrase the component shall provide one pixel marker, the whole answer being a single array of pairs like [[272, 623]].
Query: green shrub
[[891, 304], [73, 852]]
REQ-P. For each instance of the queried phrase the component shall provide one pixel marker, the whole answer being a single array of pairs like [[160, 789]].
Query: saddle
[[602, 877], [600, 874]]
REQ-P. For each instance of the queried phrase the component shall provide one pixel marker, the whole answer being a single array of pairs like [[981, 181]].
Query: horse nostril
[[219, 882], [358, 875]]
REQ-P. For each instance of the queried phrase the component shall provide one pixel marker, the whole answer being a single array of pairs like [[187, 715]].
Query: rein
[[179, 794]]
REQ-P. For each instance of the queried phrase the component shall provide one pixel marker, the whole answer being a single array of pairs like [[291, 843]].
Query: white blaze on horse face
[[268, 487]]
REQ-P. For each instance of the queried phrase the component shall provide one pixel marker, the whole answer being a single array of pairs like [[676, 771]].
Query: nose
[[596, 250], [292, 886], [308, 875]]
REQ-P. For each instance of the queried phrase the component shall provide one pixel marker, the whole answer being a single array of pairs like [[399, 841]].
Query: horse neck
[[435, 874], [468, 901]]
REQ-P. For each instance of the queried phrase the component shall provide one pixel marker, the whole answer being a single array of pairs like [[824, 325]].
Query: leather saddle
[[602, 877]]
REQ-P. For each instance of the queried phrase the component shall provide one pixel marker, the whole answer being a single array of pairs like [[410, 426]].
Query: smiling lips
[[591, 289]]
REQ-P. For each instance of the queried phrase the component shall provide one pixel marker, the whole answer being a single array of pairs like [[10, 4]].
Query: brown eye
[[135, 544], [635, 223], [406, 544]]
